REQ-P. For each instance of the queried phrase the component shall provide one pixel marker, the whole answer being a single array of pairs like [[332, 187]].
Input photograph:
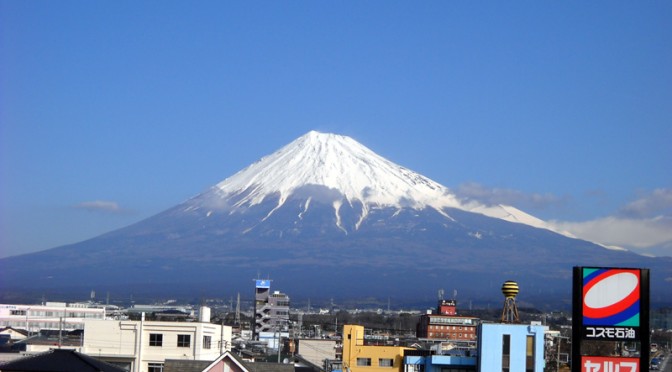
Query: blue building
[[439, 363], [511, 347]]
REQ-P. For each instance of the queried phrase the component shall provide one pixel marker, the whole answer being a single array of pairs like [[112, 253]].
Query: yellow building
[[358, 357]]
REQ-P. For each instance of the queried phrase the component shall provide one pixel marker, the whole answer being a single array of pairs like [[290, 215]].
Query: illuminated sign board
[[261, 283], [610, 304], [609, 364], [447, 320]]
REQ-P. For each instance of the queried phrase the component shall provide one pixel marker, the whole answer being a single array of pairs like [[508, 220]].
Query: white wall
[[119, 339]]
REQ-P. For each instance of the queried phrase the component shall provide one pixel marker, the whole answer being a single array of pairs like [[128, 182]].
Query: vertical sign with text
[[609, 364], [610, 305]]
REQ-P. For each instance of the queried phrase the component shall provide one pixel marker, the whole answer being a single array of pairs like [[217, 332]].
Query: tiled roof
[[58, 360], [268, 367], [174, 365]]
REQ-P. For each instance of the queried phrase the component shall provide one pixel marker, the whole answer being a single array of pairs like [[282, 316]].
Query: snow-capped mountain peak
[[341, 164], [336, 169]]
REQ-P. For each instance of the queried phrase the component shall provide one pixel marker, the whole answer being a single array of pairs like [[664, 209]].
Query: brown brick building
[[445, 324]]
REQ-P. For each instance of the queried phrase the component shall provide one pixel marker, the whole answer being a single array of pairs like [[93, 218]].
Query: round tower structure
[[510, 289], [510, 311]]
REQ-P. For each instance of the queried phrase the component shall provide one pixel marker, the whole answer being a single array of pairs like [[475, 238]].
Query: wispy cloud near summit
[[517, 198], [651, 204], [643, 226], [100, 206]]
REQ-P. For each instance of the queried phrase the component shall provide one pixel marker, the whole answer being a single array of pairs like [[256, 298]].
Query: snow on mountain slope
[[345, 169], [339, 163], [507, 213]]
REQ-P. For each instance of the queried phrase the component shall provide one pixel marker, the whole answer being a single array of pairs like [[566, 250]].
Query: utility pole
[[237, 320], [557, 361], [221, 339], [60, 332]]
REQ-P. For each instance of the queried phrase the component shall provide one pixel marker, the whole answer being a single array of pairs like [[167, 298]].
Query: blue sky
[[111, 112]]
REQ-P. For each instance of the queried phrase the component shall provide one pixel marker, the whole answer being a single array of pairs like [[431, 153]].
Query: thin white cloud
[[100, 206], [640, 235], [519, 199], [654, 203], [643, 226]]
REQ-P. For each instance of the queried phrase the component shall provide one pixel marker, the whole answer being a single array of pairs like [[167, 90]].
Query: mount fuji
[[324, 217]]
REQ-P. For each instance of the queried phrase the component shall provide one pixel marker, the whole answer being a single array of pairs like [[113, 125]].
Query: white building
[[317, 351], [51, 316], [143, 346]]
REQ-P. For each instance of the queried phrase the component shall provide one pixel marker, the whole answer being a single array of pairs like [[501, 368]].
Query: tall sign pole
[[610, 305]]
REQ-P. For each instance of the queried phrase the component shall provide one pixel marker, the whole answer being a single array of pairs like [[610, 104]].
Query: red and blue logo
[[611, 297]]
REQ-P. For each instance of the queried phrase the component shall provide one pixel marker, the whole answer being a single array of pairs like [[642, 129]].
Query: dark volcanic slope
[[324, 217], [406, 253]]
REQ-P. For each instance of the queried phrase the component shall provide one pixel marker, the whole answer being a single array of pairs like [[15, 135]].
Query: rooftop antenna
[[510, 310], [441, 293]]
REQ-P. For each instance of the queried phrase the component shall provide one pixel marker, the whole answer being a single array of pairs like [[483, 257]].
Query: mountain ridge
[[317, 240], [349, 172]]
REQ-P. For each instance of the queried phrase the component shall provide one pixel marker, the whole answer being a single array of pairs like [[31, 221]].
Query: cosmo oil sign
[[610, 305]]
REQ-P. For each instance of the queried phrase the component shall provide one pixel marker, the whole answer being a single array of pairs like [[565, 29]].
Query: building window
[[385, 362], [506, 352], [155, 339], [207, 342], [183, 340], [17, 312], [530, 354], [363, 361], [155, 367]]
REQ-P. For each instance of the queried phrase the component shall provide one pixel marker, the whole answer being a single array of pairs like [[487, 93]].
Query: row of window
[[34, 325], [448, 320], [57, 314], [382, 362], [156, 339], [449, 327], [455, 335]]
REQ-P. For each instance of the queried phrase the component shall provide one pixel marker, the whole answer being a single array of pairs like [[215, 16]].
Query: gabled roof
[[17, 330], [58, 360], [236, 361]]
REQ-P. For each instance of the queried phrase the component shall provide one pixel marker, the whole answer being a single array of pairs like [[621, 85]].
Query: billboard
[[263, 283], [610, 305], [609, 364]]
